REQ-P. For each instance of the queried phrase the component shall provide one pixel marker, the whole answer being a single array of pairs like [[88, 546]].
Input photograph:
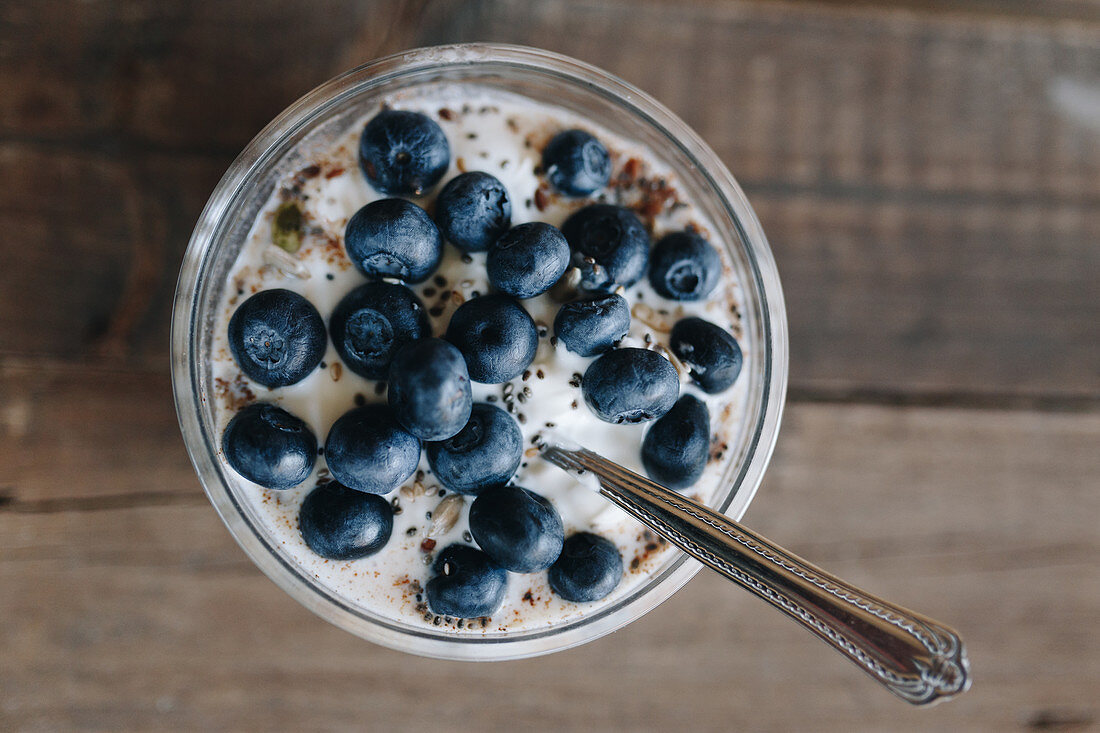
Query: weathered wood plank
[[939, 295], [150, 618], [132, 74], [929, 187], [68, 435], [809, 94]]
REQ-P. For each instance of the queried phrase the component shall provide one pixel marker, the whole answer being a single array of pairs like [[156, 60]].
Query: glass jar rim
[[308, 111]]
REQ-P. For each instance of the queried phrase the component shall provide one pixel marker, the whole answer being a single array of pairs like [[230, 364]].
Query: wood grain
[[149, 617], [928, 174], [74, 434], [929, 185]]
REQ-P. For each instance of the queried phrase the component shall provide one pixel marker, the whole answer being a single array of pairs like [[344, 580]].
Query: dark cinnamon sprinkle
[[542, 197]]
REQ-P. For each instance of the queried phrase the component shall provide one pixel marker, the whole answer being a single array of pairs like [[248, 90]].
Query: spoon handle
[[918, 659]]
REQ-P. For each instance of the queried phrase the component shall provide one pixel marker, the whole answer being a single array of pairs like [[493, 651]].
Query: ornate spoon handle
[[916, 658]]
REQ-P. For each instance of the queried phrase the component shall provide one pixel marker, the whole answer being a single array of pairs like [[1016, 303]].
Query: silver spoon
[[920, 660]]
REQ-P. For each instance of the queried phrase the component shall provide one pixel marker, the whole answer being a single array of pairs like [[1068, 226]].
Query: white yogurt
[[502, 135]]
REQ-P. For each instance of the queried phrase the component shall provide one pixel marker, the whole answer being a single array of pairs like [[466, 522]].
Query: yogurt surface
[[503, 135]]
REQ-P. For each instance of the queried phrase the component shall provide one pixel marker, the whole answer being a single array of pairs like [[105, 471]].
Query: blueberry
[[528, 259], [589, 568], [610, 246], [473, 210], [592, 325], [269, 446], [576, 163], [368, 450], [403, 153], [466, 583], [518, 529], [710, 352], [372, 322], [342, 524], [277, 337], [630, 386], [484, 453], [676, 448], [393, 238], [496, 336], [684, 266], [430, 389]]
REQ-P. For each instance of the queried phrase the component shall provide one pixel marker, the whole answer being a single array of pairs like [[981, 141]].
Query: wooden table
[[929, 178]]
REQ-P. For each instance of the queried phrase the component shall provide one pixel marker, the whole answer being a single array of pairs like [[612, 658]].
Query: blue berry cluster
[[381, 331]]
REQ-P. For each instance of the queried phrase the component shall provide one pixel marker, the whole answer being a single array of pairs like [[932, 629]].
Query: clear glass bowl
[[314, 120]]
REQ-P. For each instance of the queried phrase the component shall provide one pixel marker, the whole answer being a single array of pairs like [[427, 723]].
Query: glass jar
[[310, 124]]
